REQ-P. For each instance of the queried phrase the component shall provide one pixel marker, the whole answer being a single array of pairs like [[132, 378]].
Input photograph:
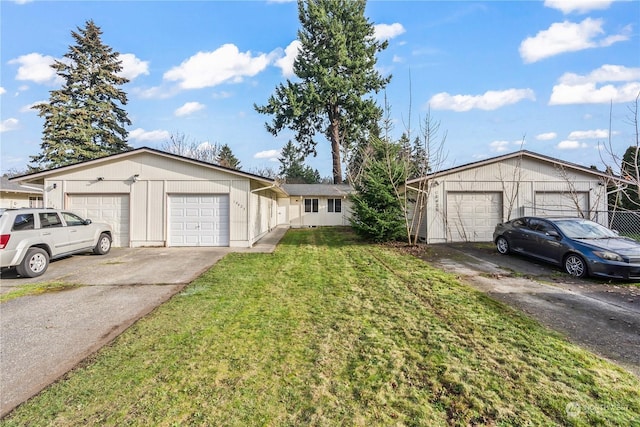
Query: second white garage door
[[562, 204], [472, 217], [198, 220]]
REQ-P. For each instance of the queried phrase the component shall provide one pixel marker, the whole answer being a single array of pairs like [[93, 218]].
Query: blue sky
[[495, 74]]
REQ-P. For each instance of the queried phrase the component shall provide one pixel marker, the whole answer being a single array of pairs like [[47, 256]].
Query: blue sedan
[[580, 246]]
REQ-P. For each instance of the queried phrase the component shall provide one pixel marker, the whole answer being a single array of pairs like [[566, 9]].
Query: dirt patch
[[602, 316]]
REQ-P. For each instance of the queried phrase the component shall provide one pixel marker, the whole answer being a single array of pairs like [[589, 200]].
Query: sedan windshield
[[584, 229]]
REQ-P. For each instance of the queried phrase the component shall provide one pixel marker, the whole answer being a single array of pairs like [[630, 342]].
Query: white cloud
[[568, 36], [387, 31], [576, 89], [189, 108], [152, 135], [36, 68], [133, 67], [548, 136], [286, 62], [9, 124], [2, 90], [29, 107], [490, 100], [271, 155], [591, 94], [156, 92], [571, 145], [23, 1], [588, 134], [499, 146], [225, 64], [579, 6], [606, 73]]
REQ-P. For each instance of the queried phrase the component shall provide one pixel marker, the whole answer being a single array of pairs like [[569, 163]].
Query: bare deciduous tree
[[182, 145]]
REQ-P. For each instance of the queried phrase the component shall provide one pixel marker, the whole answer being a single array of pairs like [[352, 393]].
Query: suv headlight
[[610, 256]]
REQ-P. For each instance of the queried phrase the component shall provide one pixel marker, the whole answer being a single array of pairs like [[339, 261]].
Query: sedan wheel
[[502, 245], [575, 265]]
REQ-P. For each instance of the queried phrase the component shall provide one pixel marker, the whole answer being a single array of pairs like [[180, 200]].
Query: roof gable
[[523, 154], [128, 154]]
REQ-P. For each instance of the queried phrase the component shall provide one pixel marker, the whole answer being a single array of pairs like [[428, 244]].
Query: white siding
[[159, 177], [299, 218], [520, 181]]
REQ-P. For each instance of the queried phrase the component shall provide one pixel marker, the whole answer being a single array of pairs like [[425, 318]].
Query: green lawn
[[328, 331]]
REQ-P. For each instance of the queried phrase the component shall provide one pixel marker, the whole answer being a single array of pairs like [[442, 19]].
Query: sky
[[556, 77]]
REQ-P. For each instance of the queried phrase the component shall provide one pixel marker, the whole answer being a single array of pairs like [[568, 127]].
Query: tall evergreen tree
[[628, 199], [84, 119], [336, 69], [292, 167], [226, 158]]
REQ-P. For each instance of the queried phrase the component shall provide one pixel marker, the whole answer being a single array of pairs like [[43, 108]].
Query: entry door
[[198, 220]]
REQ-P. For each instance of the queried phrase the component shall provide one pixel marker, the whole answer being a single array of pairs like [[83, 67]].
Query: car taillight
[[4, 239]]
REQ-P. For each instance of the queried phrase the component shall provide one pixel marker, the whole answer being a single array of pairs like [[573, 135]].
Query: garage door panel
[[110, 208], [561, 204], [199, 220], [473, 216]]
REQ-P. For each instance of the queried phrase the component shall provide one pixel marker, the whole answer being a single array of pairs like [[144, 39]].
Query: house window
[[335, 205], [35, 202], [311, 205]]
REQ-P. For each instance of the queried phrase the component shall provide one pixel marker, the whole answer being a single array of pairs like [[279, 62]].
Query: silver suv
[[29, 238]]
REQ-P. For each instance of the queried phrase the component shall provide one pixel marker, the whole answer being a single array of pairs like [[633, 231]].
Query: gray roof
[[320, 190], [14, 187]]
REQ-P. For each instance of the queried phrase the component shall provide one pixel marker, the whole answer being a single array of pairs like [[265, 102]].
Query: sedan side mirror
[[553, 233], [87, 221]]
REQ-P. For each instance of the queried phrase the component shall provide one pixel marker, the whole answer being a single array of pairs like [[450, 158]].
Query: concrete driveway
[[44, 336]]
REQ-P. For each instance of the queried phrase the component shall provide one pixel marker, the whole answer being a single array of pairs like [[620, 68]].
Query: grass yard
[[330, 331]]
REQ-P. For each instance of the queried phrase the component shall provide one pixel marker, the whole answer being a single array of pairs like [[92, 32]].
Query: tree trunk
[[335, 148]]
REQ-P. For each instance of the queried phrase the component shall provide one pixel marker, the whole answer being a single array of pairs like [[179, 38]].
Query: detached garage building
[[153, 198], [464, 204]]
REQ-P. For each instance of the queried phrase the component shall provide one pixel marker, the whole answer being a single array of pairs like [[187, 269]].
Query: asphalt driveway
[[44, 336]]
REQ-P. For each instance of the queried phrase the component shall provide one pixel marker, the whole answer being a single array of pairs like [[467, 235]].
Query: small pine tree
[[227, 159], [377, 213], [84, 119]]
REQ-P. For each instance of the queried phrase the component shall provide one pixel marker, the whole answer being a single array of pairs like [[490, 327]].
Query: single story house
[[315, 205], [15, 195], [154, 198], [465, 203]]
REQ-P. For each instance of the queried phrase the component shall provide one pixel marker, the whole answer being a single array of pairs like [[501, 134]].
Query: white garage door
[[110, 208], [198, 220], [562, 204], [472, 217]]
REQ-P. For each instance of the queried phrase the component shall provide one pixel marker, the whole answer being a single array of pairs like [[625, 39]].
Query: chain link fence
[[627, 223]]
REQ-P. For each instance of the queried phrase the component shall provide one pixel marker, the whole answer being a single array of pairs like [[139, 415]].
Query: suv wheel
[[104, 245], [34, 264]]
